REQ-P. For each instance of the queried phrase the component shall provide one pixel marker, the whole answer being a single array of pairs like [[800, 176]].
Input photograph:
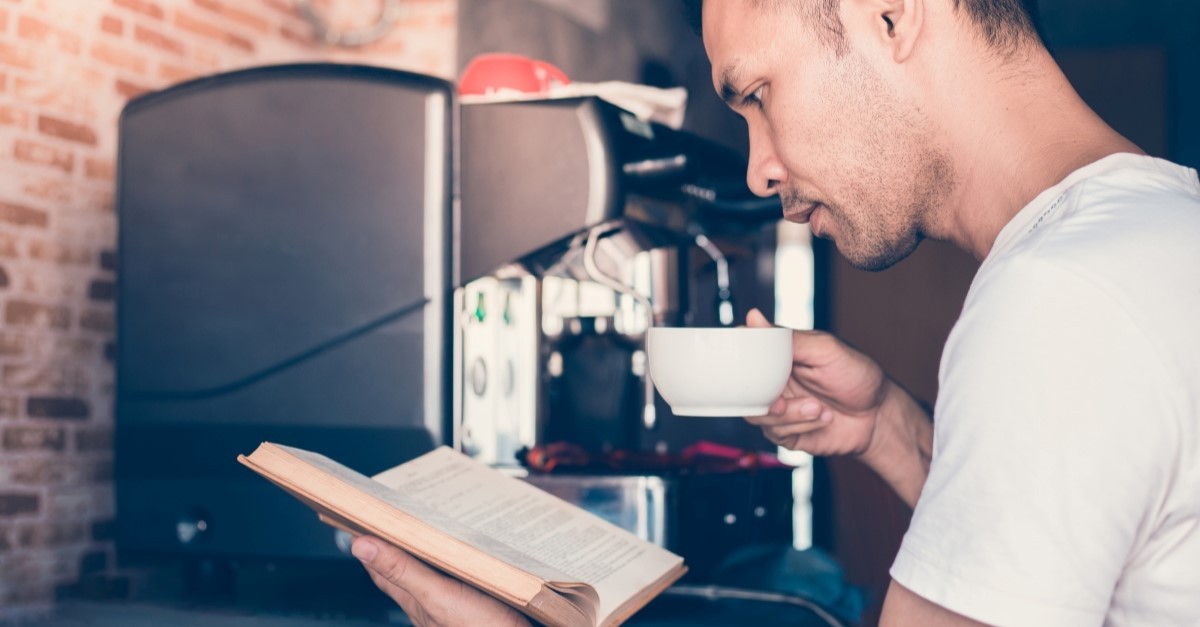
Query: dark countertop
[[663, 613], [323, 595]]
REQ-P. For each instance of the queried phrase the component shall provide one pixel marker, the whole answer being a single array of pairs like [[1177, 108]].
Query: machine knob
[[479, 376], [193, 527], [509, 380]]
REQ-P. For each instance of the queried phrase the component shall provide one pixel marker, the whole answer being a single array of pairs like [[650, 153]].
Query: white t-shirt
[[1065, 482]]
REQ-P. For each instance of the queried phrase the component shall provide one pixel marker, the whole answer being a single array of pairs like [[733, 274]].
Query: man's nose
[[765, 172]]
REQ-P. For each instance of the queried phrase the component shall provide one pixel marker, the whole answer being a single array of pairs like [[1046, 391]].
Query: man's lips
[[802, 214]]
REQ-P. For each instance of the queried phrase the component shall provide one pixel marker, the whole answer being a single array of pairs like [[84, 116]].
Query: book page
[[421, 509], [585, 547]]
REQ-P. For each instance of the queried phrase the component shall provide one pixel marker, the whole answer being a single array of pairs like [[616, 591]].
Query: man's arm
[[903, 607], [902, 445]]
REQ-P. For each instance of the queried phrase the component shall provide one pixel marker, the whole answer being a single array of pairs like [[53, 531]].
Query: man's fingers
[[797, 428], [790, 410], [396, 567], [756, 319], [392, 571]]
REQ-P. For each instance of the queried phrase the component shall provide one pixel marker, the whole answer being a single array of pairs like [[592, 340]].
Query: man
[[1060, 484]]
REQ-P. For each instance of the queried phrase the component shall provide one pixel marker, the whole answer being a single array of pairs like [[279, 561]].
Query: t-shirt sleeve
[[1047, 459]]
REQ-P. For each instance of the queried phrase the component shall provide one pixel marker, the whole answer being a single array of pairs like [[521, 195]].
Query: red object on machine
[[701, 457], [489, 73]]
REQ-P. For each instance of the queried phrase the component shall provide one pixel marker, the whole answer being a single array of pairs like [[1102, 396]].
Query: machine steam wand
[[649, 414], [724, 293]]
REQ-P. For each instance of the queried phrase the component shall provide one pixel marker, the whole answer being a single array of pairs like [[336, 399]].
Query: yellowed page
[[427, 511], [361, 513], [582, 546]]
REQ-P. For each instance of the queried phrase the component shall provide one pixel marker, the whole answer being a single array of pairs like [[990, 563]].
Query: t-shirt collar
[[1052, 198]]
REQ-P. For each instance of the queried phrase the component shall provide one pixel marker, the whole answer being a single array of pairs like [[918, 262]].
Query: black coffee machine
[[284, 276], [580, 227], [289, 255]]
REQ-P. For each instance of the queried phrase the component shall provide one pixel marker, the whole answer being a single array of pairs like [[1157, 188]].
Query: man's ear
[[897, 24]]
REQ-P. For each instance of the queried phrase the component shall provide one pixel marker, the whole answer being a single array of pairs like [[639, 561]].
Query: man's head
[[838, 100]]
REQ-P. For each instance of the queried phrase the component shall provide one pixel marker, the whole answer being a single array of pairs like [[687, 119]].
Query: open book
[[551, 560]]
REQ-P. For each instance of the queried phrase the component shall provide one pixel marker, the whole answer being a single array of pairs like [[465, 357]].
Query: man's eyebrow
[[729, 93]]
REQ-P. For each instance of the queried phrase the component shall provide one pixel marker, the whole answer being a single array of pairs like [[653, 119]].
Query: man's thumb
[[756, 319]]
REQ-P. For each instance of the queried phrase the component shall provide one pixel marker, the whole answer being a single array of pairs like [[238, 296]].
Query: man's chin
[[878, 260]]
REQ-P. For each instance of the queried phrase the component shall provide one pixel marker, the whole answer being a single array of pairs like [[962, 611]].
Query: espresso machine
[[580, 227]]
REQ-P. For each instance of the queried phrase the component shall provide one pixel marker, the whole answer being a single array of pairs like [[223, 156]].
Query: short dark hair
[[1004, 24]]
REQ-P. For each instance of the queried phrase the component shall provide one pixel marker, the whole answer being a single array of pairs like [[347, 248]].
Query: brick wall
[[66, 69]]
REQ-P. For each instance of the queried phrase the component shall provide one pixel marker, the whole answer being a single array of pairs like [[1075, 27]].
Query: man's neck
[[1021, 133]]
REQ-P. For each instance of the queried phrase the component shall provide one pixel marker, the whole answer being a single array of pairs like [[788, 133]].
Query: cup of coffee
[[720, 372]]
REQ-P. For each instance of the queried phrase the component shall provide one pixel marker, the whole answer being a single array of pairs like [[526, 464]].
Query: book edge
[[511, 599], [645, 596]]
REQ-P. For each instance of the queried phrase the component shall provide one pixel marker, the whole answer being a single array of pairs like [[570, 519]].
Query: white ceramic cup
[[719, 372]]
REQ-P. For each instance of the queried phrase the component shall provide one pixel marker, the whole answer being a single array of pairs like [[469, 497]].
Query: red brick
[[17, 55], [154, 38], [25, 313], [49, 534], [33, 152], [102, 169], [60, 252], [8, 248], [3, 82], [144, 7], [17, 503], [174, 73], [128, 90], [99, 320], [102, 290], [3, 19], [45, 376], [13, 344], [119, 57], [35, 439], [227, 10], [101, 199], [13, 116], [57, 407], [10, 407], [286, 7], [67, 504], [207, 59], [296, 35], [90, 440], [35, 30], [207, 29], [65, 129], [387, 48], [55, 190], [56, 471], [112, 25], [22, 215], [71, 94]]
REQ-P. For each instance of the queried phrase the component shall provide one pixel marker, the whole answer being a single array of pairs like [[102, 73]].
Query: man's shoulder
[[1120, 258], [1131, 232], [1148, 205]]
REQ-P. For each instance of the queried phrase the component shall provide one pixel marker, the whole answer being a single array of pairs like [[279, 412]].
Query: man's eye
[[755, 97]]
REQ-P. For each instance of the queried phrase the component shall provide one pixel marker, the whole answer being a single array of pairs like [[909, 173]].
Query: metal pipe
[[649, 413]]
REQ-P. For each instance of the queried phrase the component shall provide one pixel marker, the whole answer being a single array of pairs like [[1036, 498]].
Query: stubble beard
[[895, 189]]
